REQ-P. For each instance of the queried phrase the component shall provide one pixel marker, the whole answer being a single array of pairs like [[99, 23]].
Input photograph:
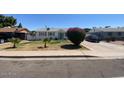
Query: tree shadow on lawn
[[70, 46], [9, 48], [40, 47]]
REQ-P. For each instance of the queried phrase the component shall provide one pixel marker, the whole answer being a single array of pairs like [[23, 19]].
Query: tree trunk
[[45, 45], [14, 45]]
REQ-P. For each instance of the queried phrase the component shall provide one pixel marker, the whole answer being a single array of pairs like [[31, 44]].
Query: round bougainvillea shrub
[[76, 35]]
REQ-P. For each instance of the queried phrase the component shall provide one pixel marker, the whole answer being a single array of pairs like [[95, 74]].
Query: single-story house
[[52, 33], [7, 32], [108, 33]]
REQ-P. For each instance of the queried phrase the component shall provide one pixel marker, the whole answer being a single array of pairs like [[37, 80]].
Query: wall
[[46, 34], [109, 35]]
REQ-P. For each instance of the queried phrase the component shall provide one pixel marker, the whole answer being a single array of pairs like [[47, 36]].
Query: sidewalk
[[46, 53], [67, 53]]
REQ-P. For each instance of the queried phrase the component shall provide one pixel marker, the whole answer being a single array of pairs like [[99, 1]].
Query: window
[[50, 33], [110, 33], [119, 33], [40, 33], [45, 33], [53, 33]]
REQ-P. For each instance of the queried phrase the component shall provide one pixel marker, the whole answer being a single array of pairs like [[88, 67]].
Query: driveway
[[104, 49]]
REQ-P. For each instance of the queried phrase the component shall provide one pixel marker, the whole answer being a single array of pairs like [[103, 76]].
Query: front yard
[[39, 46]]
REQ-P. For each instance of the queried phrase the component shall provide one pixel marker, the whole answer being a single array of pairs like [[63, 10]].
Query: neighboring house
[[52, 33], [8, 32], [108, 33]]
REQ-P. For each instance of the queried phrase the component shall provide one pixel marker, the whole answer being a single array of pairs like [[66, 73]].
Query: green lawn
[[39, 46]]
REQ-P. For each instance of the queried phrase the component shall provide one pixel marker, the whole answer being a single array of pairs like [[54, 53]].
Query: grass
[[39, 46]]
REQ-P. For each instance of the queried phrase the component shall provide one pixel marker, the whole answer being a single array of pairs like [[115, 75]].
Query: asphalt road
[[63, 68]]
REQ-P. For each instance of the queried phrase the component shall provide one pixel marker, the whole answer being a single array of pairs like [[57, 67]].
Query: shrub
[[56, 38], [76, 35]]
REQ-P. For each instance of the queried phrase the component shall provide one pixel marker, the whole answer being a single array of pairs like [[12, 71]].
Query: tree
[[2, 18], [76, 35], [7, 21], [1, 25], [20, 25], [107, 26], [47, 28], [87, 29], [15, 42], [46, 40]]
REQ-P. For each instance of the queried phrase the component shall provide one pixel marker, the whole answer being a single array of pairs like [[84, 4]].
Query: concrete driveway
[[104, 49]]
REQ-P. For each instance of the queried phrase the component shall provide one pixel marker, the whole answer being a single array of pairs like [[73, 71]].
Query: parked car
[[92, 38]]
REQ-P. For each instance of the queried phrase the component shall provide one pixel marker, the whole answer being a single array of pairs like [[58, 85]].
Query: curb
[[86, 56]]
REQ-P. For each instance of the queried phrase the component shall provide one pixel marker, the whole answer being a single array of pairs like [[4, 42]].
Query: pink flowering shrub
[[76, 35]]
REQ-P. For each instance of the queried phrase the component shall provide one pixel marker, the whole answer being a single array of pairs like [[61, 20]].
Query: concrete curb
[[61, 56]]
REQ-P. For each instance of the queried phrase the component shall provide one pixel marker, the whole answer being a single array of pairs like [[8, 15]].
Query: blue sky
[[35, 21]]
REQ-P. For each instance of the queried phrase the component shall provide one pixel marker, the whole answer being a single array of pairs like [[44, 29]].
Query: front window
[[53, 33], [45, 33], [40, 33], [110, 33], [119, 33]]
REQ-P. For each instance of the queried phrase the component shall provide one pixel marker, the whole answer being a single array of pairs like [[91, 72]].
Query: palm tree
[[46, 40], [15, 42]]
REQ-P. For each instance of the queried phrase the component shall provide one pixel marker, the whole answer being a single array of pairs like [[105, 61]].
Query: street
[[63, 68]]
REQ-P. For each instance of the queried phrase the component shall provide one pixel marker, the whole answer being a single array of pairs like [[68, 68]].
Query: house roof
[[18, 30], [52, 29], [121, 29]]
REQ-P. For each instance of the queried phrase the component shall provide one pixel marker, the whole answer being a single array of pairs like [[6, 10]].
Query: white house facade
[[52, 33], [108, 33]]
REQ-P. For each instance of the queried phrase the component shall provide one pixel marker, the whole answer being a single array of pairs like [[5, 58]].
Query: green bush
[[76, 35]]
